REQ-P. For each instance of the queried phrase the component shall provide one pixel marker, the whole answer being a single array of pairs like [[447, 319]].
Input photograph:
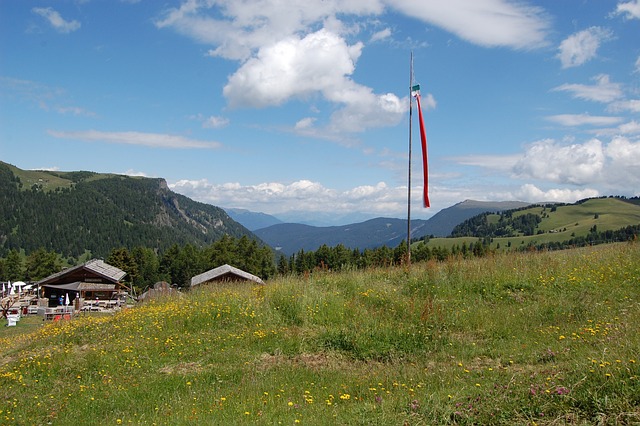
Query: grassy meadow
[[521, 338], [558, 224]]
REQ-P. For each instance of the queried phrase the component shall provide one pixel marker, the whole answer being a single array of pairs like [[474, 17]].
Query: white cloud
[[576, 164], [623, 156], [74, 110], [381, 35], [305, 123], [603, 91], [299, 49], [215, 122], [135, 173], [240, 28], [531, 193], [484, 22], [293, 67], [613, 165], [56, 21], [492, 162], [154, 140], [563, 173], [321, 62], [302, 195], [629, 9], [428, 101], [637, 64], [48, 168], [630, 128], [582, 46], [632, 105], [624, 152], [572, 120], [364, 109]]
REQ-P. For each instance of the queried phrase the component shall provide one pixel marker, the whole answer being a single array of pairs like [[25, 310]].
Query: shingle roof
[[96, 266], [222, 272]]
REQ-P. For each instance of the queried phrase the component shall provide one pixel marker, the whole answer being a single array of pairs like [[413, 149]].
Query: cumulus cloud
[[575, 164], [156, 140], [603, 90], [531, 193], [590, 163], [630, 128], [582, 46], [56, 21], [624, 152], [629, 9], [293, 67], [320, 62], [299, 49], [277, 197]]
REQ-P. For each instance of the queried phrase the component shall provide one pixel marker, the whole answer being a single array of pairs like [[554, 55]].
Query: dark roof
[[224, 272], [80, 286], [96, 266]]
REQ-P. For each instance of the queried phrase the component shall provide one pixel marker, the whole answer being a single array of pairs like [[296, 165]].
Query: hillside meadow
[[558, 224], [520, 338]]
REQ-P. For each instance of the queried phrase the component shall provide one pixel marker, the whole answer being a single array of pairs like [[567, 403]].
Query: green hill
[[74, 212], [592, 220]]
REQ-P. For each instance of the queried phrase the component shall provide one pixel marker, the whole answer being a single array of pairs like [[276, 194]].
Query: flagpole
[[409, 174]]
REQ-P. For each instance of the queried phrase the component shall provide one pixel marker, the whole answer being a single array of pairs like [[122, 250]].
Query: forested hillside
[[585, 216], [74, 212]]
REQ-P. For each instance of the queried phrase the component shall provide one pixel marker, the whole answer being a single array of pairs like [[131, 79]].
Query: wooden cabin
[[224, 273], [93, 281]]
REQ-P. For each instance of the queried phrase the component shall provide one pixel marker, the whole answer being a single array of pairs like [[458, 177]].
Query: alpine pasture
[[511, 338]]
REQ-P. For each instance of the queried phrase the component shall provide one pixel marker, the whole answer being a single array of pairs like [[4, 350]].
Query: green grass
[[566, 222], [51, 181], [544, 338]]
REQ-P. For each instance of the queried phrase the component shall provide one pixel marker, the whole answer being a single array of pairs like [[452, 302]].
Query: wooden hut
[[94, 280], [224, 273]]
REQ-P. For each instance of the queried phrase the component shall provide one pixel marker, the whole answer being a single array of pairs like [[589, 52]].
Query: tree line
[[145, 266], [176, 265]]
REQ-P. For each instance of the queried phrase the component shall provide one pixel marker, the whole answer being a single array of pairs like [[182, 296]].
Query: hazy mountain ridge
[[252, 220], [289, 238]]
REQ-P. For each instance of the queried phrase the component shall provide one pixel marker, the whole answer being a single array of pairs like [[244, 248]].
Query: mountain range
[[77, 212], [288, 238]]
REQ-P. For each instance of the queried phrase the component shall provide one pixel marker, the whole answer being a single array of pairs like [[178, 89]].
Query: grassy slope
[[549, 338], [566, 222], [50, 181], [37, 177]]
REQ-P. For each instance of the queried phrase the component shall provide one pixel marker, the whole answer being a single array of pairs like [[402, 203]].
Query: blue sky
[[301, 107]]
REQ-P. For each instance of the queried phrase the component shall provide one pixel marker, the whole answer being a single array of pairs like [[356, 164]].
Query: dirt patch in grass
[[181, 368], [312, 361]]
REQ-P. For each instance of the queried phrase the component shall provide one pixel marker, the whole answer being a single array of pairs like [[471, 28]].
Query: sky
[[300, 109]]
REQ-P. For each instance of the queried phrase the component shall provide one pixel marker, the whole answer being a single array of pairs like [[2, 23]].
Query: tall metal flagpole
[[409, 178]]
